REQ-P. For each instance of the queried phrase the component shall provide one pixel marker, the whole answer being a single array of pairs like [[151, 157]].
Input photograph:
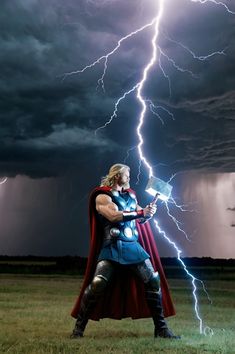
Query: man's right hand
[[149, 211]]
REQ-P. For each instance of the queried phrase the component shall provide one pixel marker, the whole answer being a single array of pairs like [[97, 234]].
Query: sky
[[50, 152]]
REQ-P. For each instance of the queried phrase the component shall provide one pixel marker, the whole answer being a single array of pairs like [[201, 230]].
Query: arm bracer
[[131, 215]]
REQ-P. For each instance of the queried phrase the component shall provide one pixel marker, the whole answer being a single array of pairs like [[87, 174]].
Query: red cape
[[125, 295]]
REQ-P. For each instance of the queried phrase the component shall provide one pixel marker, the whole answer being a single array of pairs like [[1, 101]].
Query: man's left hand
[[150, 210]]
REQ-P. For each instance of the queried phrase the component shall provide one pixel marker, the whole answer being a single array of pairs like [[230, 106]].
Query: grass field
[[34, 318]]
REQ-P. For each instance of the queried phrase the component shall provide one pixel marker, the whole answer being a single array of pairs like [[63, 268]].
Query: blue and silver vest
[[120, 240]]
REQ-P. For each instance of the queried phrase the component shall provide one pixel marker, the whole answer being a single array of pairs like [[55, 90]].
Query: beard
[[123, 184], [126, 185]]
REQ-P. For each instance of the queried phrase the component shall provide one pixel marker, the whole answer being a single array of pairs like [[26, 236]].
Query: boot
[[155, 305], [165, 333], [91, 296], [87, 304], [79, 328]]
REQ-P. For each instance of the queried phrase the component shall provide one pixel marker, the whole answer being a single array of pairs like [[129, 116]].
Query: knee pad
[[98, 284], [154, 282]]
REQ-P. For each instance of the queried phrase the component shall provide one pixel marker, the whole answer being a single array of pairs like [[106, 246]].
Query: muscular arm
[[106, 207]]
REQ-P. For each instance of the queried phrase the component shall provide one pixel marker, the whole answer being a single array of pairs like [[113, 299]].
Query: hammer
[[159, 189]]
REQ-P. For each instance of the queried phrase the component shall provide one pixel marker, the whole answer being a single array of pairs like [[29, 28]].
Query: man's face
[[124, 178]]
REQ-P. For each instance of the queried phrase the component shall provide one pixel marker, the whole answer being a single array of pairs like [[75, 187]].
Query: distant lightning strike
[[138, 87], [3, 180]]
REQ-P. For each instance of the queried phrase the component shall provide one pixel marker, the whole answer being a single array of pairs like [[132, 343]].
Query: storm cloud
[[42, 114], [51, 149]]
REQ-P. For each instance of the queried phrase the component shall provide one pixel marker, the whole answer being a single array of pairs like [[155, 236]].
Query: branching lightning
[[220, 3], [114, 115], [147, 164], [154, 109], [177, 67], [177, 222], [182, 207], [106, 57], [3, 180], [165, 75], [198, 57], [157, 55], [128, 153], [203, 329]]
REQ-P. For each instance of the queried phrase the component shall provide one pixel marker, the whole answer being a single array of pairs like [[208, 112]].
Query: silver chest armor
[[125, 231]]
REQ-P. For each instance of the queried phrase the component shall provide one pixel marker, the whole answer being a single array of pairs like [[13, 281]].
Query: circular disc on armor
[[114, 232], [127, 232]]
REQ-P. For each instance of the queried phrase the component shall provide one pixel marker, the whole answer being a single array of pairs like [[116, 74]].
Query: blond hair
[[109, 179]]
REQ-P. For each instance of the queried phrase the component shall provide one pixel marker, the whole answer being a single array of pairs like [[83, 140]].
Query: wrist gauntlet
[[130, 215]]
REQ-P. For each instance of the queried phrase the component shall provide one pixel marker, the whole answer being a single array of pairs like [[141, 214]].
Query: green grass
[[35, 318]]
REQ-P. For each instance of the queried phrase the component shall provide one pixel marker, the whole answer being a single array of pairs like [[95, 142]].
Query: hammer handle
[[154, 201]]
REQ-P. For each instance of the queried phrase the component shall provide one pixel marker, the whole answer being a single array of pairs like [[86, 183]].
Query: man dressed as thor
[[124, 276]]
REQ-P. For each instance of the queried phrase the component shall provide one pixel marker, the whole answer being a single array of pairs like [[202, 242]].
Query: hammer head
[[157, 186]]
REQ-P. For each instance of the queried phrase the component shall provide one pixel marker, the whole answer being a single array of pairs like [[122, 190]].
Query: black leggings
[[105, 270]]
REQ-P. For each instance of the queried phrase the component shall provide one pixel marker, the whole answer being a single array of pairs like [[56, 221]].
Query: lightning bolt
[[182, 207], [220, 3], [114, 115], [165, 75], [176, 222], [203, 329], [3, 180], [106, 57], [177, 67], [141, 85], [148, 165], [154, 109], [138, 88], [198, 57], [128, 153], [142, 158]]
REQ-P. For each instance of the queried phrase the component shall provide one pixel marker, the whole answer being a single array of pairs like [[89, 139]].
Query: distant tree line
[[204, 267], [42, 265]]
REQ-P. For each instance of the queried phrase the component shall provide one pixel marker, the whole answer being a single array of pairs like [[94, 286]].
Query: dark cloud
[[48, 124]]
